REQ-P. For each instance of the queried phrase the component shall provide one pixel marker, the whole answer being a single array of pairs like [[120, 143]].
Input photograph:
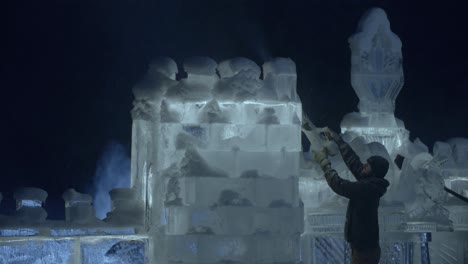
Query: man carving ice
[[362, 226]]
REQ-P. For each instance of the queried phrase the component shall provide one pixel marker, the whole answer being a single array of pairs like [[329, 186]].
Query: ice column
[[29, 203], [227, 148], [78, 207], [377, 78]]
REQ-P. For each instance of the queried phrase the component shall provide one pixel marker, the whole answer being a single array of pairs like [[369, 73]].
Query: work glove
[[321, 158]]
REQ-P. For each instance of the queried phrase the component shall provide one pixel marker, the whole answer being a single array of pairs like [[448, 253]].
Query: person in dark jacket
[[362, 226]]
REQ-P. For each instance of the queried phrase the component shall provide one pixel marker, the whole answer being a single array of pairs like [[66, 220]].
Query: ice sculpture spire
[[377, 78], [376, 63]]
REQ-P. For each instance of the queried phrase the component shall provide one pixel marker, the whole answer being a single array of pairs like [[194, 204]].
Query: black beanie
[[379, 166]]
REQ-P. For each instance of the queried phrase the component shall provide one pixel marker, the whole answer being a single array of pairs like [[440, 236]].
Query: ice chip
[[164, 65], [280, 76]]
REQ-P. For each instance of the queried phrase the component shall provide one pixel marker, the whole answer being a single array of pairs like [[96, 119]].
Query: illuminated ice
[[226, 151]]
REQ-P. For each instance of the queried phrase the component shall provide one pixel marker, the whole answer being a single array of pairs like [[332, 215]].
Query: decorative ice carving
[[376, 63], [421, 189], [377, 78]]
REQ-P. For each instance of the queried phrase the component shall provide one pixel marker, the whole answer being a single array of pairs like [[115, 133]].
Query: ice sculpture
[[377, 78], [418, 220], [221, 168]]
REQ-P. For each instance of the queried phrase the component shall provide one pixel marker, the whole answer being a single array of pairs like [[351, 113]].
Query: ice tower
[[216, 160]]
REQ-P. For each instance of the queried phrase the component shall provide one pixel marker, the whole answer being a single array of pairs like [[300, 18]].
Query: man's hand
[[331, 135]]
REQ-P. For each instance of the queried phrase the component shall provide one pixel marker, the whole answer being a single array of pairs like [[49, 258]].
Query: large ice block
[[58, 251], [246, 112], [204, 163], [102, 250], [232, 249], [233, 220], [263, 192], [225, 137]]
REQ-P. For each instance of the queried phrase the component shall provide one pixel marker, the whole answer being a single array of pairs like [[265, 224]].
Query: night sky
[[67, 68]]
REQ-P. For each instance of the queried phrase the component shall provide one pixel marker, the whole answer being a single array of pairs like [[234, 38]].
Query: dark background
[[67, 68]]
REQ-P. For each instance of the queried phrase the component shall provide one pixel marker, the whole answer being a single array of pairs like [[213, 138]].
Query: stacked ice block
[[226, 146]]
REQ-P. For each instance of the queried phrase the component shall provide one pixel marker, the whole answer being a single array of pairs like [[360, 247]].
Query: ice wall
[[216, 158], [27, 237]]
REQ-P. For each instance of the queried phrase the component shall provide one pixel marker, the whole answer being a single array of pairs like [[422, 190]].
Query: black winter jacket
[[362, 223]]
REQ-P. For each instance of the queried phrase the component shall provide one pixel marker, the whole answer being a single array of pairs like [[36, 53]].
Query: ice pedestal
[[78, 207], [29, 205]]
